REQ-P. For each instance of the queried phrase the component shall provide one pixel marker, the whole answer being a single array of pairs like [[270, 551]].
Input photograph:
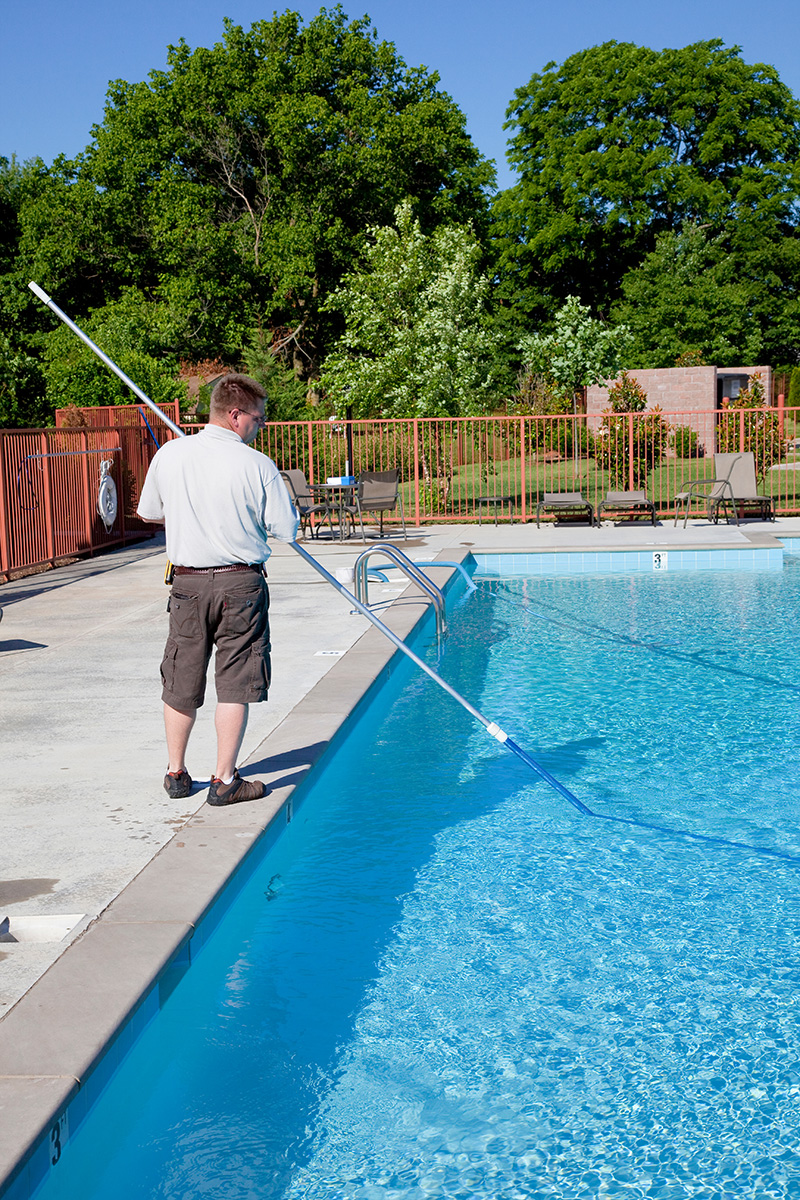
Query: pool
[[444, 981]]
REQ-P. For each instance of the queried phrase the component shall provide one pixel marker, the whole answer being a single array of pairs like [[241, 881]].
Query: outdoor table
[[338, 495], [496, 502]]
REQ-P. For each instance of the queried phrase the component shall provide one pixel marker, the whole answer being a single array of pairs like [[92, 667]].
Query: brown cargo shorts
[[226, 611]]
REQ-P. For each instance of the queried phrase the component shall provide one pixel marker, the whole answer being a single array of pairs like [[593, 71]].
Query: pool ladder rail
[[401, 560]]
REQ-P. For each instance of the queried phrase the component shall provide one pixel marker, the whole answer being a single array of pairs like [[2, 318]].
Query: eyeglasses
[[246, 412]]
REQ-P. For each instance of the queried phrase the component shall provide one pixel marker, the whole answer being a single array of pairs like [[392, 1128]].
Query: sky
[[58, 56]]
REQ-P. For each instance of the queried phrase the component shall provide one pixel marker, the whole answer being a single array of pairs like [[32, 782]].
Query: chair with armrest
[[307, 504], [733, 487], [377, 492]]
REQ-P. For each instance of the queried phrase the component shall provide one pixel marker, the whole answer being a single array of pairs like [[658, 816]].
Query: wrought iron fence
[[448, 468], [49, 481]]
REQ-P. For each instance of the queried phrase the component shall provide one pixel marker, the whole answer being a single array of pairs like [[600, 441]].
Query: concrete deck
[[88, 831]]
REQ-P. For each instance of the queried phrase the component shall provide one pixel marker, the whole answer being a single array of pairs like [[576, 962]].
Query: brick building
[[687, 395]]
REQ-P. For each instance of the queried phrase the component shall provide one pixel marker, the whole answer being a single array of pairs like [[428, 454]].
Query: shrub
[[684, 442], [630, 446]]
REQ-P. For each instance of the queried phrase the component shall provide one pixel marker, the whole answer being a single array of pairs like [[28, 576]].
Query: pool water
[[446, 982]]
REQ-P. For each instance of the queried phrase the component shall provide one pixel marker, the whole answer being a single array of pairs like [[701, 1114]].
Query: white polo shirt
[[220, 500]]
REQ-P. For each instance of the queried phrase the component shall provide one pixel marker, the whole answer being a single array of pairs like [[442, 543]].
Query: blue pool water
[[445, 982]]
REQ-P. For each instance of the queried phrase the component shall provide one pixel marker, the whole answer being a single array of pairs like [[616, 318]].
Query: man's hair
[[236, 391]]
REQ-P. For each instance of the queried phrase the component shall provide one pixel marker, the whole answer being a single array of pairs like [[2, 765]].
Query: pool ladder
[[411, 568]]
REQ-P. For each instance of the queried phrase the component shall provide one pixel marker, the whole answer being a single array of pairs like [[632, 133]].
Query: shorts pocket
[[261, 668], [242, 612], [184, 621], [168, 665]]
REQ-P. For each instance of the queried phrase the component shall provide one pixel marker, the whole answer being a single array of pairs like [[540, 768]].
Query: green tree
[[235, 186], [416, 340], [686, 300], [748, 425], [621, 143], [135, 334], [629, 448]]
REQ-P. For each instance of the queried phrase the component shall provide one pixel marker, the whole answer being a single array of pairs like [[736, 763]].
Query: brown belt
[[218, 570]]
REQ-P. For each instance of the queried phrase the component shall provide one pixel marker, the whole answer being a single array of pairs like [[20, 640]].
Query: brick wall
[[687, 395]]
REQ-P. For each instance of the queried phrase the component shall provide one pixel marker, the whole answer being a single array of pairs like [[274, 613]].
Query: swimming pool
[[446, 982]]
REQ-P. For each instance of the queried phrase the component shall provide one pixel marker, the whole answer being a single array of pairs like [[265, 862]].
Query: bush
[[684, 442], [630, 454]]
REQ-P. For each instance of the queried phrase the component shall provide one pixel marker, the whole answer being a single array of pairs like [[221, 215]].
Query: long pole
[[491, 728]]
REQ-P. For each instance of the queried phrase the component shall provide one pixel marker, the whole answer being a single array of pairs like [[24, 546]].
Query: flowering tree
[[748, 424], [416, 340], [579, 352]]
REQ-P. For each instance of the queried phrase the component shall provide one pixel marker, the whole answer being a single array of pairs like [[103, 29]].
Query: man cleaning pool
[[220, 500]]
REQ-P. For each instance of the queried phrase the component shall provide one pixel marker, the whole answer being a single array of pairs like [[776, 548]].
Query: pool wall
[[64, 1039], [62, 1042]]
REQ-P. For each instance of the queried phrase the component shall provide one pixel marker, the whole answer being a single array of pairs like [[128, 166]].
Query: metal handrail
[[420, 578]]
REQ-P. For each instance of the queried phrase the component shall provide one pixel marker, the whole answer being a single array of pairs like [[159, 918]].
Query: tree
[[630, 447], [235, 187], [579, 352], [684, 301], [416, 340], [135, 334], [748, 425], [621, 143]]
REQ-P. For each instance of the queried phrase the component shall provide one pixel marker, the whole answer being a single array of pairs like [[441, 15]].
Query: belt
[[218, 570]]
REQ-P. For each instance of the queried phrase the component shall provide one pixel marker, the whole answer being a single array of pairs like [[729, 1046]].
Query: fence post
[[781, 414], [630, 451], [741, 431], [87, 507], [49, 534], [5, 559], [523, 472], [310, 452], [416, 473]]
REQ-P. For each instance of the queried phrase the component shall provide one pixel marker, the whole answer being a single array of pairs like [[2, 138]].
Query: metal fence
[[448, 468], [49, 482]]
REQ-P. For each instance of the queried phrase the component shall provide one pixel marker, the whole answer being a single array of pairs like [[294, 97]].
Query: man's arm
[[280, 516]]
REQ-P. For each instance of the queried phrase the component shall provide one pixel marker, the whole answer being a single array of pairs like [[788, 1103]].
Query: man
[[220, 499]]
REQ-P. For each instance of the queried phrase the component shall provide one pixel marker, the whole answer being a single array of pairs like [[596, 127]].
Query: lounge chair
[[377, 492], [733, 485], [307, 505], [636, 503], [569, 503]]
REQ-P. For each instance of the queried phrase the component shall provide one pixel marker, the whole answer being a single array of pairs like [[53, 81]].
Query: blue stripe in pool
[[444, 982]]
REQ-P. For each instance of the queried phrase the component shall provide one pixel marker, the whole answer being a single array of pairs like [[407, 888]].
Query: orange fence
[[49, 482], [447, 467]]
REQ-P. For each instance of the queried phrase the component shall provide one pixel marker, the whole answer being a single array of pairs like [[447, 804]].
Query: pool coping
[[103, 990]]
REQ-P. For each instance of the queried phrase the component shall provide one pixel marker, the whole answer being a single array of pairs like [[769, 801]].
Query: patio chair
[[636, 503], [733, 485], [377, 492], [307, 505], [571, 504]]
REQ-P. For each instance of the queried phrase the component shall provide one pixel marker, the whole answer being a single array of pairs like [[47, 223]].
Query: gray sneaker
[[234, 792]]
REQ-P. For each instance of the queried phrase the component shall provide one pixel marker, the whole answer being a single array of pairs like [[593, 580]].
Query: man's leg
[[230, 721], [178, 723]]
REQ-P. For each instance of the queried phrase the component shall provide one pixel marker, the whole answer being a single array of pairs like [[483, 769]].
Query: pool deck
[[88, 832]]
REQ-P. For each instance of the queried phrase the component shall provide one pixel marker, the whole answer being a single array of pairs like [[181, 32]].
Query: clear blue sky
[[59, 56]]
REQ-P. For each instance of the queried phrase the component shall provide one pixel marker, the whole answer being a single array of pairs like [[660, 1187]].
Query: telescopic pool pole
[[491, 728]]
